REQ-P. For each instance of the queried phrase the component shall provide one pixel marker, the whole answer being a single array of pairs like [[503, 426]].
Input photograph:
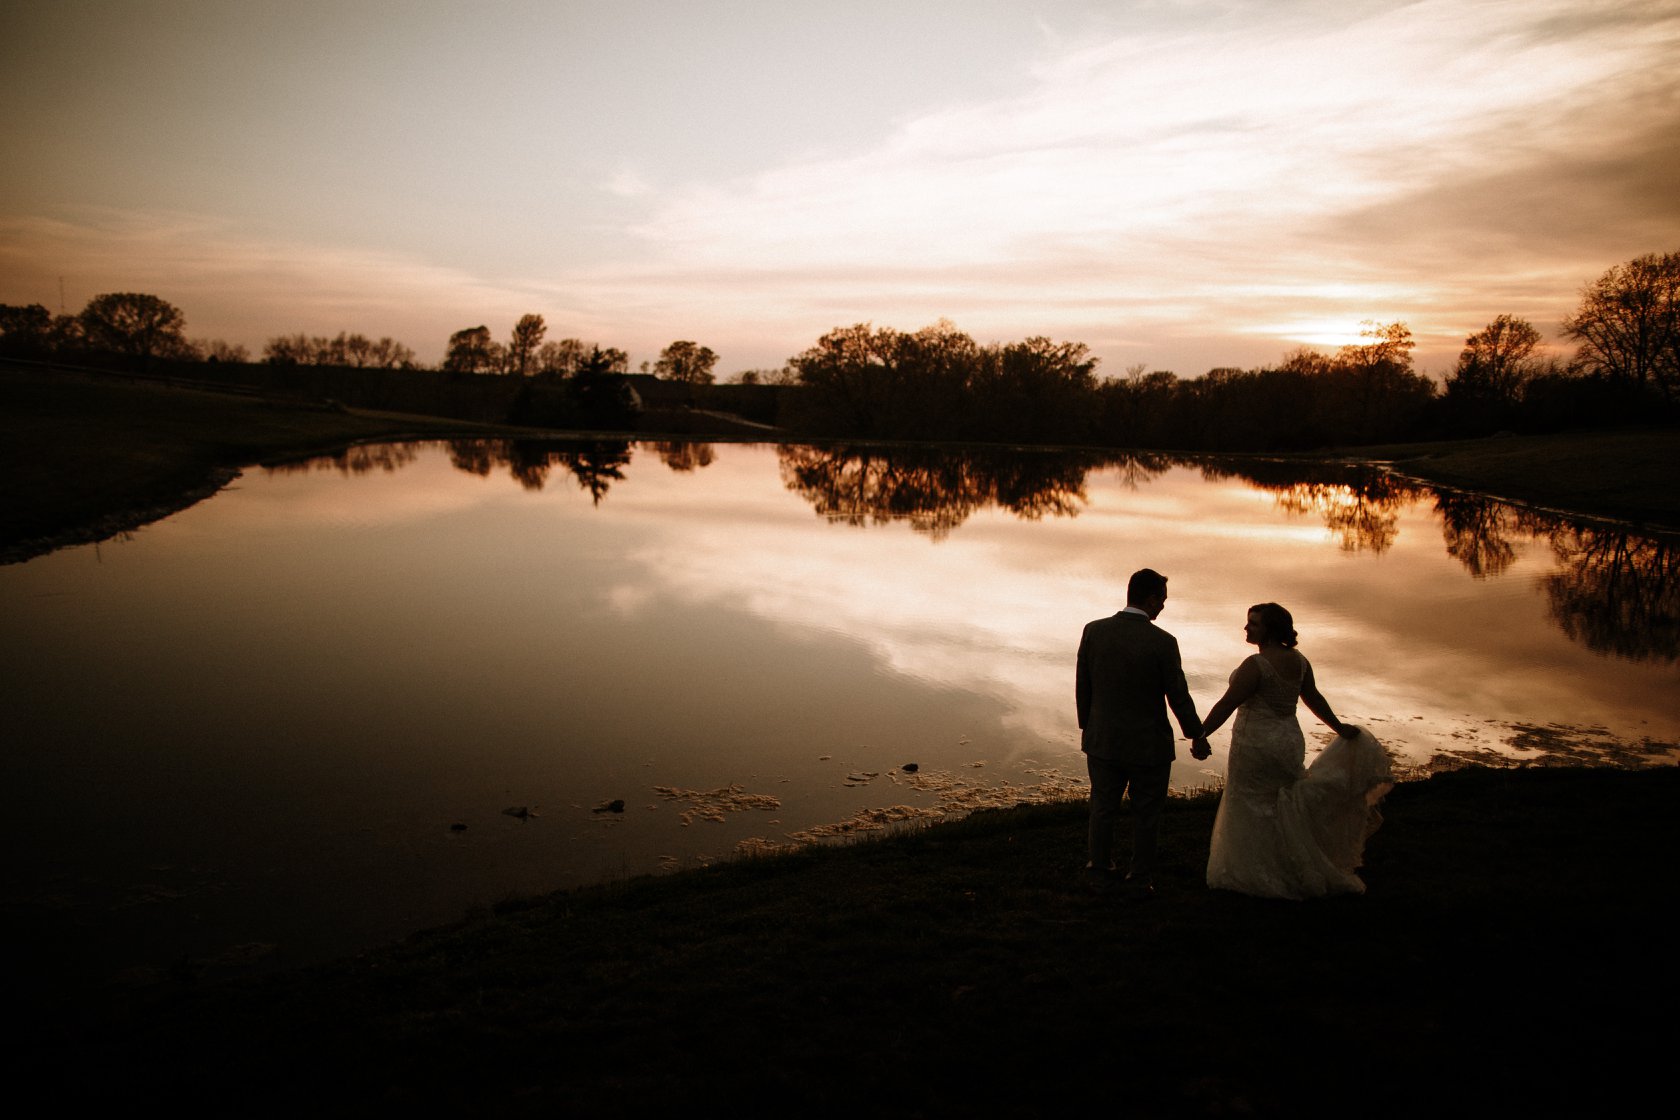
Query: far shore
[[84, 458]]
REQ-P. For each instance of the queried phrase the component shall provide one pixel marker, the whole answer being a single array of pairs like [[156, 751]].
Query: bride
[[1285, 830]]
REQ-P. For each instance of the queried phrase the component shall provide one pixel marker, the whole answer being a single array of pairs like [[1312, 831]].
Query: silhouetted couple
[[1283, 830]]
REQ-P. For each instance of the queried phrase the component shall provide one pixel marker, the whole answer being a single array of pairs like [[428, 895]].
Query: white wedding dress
[[1285, 830]]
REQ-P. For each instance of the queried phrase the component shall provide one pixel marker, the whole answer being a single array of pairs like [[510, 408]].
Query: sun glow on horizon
[[1330, 334]]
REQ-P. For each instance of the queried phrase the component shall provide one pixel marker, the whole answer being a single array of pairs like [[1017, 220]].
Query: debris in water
[[712, 804], [616, 805]]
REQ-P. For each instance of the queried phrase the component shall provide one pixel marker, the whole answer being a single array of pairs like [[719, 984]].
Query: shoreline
[[163, 449]]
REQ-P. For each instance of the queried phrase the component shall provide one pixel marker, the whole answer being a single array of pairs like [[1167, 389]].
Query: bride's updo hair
[[1279, 624]]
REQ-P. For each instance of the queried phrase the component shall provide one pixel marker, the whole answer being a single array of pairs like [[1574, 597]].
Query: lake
[[350, 698]]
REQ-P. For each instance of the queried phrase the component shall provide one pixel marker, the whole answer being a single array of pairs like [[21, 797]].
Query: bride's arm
[[1244, 683], [1319, 706]]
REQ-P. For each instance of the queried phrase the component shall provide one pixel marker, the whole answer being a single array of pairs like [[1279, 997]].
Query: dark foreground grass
[[1511, 955]]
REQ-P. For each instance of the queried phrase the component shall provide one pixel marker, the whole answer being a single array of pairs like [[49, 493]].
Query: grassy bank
[[1626, 476], [1508, 956], [84, 456]]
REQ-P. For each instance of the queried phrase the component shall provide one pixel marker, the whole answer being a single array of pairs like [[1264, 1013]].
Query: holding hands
[[1200, 748]]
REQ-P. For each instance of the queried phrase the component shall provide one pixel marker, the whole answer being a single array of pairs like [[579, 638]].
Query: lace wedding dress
[[1285, 830]]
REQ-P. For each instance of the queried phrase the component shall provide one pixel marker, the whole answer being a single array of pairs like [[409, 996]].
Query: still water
[[347, 699]]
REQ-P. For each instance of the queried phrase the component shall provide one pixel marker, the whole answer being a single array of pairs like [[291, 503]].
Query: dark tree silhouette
[[1495, 366], [1628, 323], [25, 330], [135, 324], [686, 361], [522, 347], [470, 351]]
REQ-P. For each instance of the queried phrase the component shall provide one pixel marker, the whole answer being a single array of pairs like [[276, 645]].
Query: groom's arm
[[1082, 681], [1178, 693]]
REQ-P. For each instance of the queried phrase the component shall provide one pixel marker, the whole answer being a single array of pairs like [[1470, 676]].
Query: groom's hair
[[1145, 584]]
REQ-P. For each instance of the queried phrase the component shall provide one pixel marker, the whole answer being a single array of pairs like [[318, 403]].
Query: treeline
[[938, 383]]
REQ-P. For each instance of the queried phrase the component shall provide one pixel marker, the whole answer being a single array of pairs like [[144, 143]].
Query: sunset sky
[[1182, 184]]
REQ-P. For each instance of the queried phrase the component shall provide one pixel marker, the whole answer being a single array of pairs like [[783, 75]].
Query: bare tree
[[562, 359], [1628, 324], [220, 350], [1495, 364], [388, 353]]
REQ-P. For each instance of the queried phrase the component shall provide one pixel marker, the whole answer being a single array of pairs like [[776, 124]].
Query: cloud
[[1186, 184], [243, 287], [1239, 176]]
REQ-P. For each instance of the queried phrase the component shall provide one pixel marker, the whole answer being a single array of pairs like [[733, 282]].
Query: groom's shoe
[[1099, 880]]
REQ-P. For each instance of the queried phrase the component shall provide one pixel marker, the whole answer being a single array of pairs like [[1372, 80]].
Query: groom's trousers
[[1110, 781]]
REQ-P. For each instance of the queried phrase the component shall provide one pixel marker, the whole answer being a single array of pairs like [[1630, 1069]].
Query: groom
[[1129, 672]]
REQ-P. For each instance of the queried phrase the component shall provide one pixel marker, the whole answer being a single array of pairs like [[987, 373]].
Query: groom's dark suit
[[1129, 672]]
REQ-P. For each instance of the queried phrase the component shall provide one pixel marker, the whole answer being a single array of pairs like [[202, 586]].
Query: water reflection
[[385, 620], [934, 490], [1360, 504], [357, 460], [595, 464], [1614, 591], [1478, 531], [682, 456]]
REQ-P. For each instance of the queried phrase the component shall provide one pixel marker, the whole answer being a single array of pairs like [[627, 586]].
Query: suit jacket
[[1129, 672]]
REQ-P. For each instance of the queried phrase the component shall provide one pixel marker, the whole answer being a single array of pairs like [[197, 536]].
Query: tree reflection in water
[[685, 456], [1614, 591], [1617, 592], [596, 464], [936, 490], [357, 460], [1359, 503], [1478, 531]]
